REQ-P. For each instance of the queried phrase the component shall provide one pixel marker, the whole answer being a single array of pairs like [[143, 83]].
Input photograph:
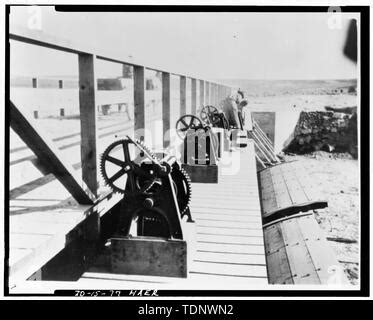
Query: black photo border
[[363, 143]]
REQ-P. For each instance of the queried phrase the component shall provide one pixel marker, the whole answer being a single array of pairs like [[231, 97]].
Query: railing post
[[194, 96], [139, 101], [182, 95], [212, 96], [208, 101], [215, 94], [88, 120], [201, 93], [166, 108]]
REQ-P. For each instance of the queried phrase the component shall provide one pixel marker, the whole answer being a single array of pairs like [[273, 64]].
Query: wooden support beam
[[49, 155], [215, 91], [207, 100], [212, 94], [166, 109], [139, 101], [88, 120], [182, 95], [212, 90], [194, 96], [201, 93]]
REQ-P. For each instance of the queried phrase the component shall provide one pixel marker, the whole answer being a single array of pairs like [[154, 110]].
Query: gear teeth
[[189, 191], [102, 166], [147, 149]]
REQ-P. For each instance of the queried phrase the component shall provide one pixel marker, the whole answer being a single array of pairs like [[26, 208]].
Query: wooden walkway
[[298, 253], [36, 236], [225, 244]]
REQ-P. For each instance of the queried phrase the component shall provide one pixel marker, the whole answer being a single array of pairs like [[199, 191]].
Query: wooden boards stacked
[[298, 253], [286, 189]]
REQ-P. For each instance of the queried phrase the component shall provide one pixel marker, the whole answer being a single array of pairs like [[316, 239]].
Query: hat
[[240, 93]]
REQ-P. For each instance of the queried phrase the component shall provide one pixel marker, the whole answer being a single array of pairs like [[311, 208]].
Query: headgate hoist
[[235, 135], [200, 142], [156, 191], [212, 117]]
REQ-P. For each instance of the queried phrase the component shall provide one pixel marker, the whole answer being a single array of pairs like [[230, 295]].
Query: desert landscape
[[335, 173]]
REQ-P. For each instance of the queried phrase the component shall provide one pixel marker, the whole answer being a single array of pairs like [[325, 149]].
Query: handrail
[[212, 92], [42, 39]]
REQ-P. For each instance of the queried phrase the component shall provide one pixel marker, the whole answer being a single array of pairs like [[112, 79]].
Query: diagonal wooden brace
[[49, 155]]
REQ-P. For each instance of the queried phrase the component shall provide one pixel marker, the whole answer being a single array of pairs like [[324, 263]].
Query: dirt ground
[[337, 176]]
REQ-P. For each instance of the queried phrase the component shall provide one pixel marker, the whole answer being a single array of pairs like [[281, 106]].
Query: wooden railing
[[210, 92]]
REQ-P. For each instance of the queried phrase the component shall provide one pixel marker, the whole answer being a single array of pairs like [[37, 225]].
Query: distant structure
[[118, 83]]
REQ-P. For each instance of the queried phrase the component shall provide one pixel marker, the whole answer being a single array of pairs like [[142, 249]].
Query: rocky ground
[[325, 130], [337, 176]]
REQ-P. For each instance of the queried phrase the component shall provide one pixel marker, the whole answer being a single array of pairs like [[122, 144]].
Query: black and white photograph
[[173, 151]]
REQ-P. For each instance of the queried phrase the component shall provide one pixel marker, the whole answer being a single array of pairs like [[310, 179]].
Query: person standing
[[230, 109]]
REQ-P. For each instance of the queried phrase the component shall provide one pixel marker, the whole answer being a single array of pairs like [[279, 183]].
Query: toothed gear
[[138, 179], [182, 183], [209, 114], [187, 122], [150, 155]]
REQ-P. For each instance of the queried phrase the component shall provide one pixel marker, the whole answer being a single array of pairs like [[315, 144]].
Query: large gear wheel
[[187, 122], [183, 188], [182, 184], [132, 177], [209, 114]]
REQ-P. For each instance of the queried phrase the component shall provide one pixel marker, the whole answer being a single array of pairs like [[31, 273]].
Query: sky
[[208, 45]]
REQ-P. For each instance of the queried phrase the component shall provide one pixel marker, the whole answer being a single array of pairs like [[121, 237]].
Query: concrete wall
[[278, 125]]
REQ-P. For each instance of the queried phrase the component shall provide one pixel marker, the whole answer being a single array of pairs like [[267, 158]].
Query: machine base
[[149, 256], [202, 173]]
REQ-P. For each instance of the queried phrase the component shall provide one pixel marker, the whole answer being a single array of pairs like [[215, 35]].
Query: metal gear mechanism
[[209, 114], [133, 177], [181, 182], [187, 122], [183, 187]]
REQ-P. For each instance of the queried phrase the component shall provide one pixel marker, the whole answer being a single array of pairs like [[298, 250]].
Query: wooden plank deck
[[286, 189], [37, 235], [226, 247]]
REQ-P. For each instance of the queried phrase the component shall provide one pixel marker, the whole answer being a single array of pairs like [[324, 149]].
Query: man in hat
[[230, 108], [243, 113]]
